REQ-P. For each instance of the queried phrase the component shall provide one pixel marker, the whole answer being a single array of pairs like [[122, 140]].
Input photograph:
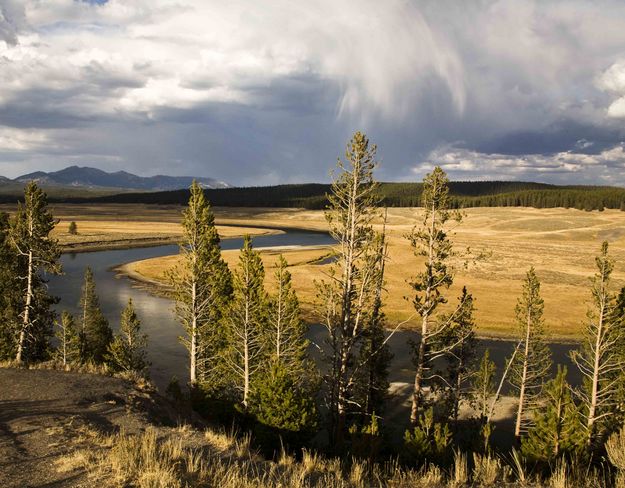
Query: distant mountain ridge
[[87, 177]]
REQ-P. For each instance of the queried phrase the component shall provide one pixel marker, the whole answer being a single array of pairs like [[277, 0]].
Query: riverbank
[[150, 274], [108, 235]]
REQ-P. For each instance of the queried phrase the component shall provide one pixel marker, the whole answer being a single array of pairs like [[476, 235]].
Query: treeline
[[462, 194], [248, 356]]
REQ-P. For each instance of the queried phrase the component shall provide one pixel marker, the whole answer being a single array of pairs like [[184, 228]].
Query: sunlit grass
[[503, 243]]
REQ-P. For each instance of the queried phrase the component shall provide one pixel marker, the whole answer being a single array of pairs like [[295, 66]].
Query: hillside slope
[[45, 415]]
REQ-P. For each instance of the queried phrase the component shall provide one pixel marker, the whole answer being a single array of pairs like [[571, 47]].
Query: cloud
[[12, 20], [257, 92], [606, 167], [613, 80]]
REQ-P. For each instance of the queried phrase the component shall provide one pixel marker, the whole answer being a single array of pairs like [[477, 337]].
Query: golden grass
[[110, 225], [162, 457], [504, 242], [103, 232], [560, 243]]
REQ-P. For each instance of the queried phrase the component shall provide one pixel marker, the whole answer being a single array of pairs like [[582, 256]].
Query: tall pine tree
[[10, 293], [349, 294], [599, 357], [38, 253], [431, 241], [203, 286], [459, 342], [285, 340], [246, 324], [532, 362], [94, 326], [372, 365]]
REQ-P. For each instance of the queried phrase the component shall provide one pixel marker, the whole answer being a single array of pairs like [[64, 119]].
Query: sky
[[265, 92]]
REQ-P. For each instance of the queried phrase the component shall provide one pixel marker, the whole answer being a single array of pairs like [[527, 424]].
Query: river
[[168, 356]]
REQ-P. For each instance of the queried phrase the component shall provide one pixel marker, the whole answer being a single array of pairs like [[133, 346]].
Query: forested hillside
[[463, 194]]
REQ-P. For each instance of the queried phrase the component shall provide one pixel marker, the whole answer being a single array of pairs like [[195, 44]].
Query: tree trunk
[[26, 319], [246, 356], [417, 393], [193, 351], [592, 409], [519, 413], [558, 432], [458, 386]]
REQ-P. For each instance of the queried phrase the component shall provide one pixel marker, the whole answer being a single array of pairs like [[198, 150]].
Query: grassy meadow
[[503, 242], [495, 248], [119, 226]]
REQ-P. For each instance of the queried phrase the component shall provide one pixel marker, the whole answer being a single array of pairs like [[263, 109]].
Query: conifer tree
[[202, 285], [94, 326], [459, 341], [484, 396], [483, 384], [37, 252], [372, 366], [280, 402], [10, 293], [618, 318], [556, 423], [350, 292], [246, 323], [431, 241], [127, 351], [72, 228], [285, 341], [599, 359], [68, 350], [532, 361]]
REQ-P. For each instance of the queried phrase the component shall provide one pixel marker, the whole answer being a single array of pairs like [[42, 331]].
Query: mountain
[[85, 177]]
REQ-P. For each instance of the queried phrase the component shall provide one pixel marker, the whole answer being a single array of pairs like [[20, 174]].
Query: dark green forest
[[463, 194]]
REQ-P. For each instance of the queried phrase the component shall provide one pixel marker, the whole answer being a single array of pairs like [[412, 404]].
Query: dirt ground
[[46, 414]]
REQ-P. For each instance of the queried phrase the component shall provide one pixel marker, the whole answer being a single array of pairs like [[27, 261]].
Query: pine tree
[[556, 423], [350, 292], [68, 350], [127, 351], [72, 228], [94, 326], [285, 340], [37, 252], [372, 366], [599, 358], [532, 361], [483, 384], [203, 285], [483, 395], [432, 242], [459, 342], [618, 319], [10, 293], [246, 323], [279, 402]]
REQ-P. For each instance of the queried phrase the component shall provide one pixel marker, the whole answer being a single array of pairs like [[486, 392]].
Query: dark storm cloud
[[257, 94]]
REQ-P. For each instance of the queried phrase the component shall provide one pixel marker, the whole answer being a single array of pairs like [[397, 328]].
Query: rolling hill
[[93, 178]]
